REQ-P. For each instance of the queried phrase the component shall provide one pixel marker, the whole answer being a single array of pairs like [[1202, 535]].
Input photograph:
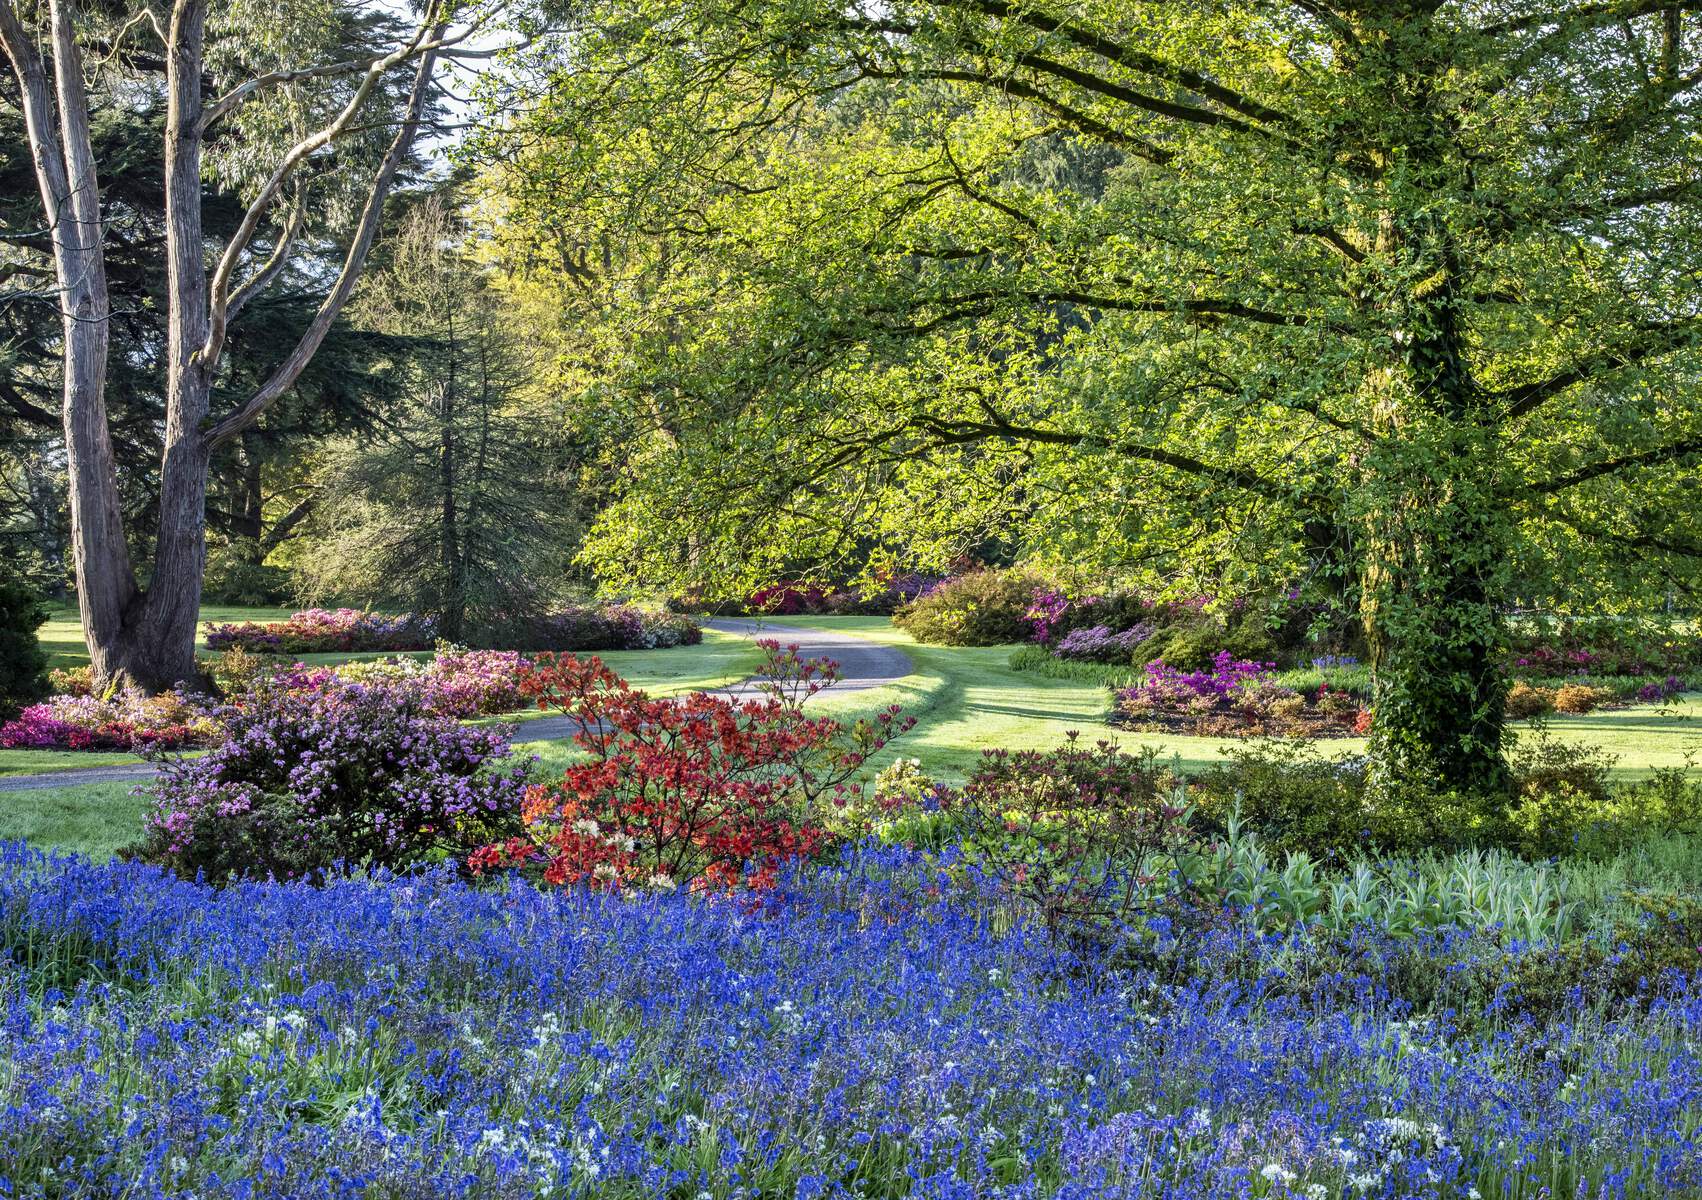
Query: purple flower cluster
[[1046, 611], [1658, 690], [1165, 684], [420, 1037], [316, 771], [1333, 662], [1100, 643], [318, 630]]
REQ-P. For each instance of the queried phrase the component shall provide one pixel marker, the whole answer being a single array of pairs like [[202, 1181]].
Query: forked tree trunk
[[146, 637]]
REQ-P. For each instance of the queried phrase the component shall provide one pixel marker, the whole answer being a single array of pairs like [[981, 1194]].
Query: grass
[[93, 819], [969, 699], [62, 636]]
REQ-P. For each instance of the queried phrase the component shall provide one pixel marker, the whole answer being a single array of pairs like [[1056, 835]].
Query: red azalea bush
[[704, 791]]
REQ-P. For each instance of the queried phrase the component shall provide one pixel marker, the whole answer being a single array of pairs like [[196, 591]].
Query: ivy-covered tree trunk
[[1432, 594]]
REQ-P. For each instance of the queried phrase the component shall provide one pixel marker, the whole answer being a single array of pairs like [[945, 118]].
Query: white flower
[[1277, 1173], [586, 827]]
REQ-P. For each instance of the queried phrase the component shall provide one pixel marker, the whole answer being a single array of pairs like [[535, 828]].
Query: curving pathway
[[862, 665]]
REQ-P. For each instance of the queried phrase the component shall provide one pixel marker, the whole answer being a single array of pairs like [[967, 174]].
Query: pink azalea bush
[[457, 682], [127, 720], [322, 631]]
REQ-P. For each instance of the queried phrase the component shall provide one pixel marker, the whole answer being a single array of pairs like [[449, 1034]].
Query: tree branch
[[218, 315], [274, 265], [284, 377], [1611, 466], [1658, 340]]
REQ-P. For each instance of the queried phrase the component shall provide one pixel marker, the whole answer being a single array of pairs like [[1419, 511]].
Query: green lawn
[[969, 699], [94, 819], [63, 636]]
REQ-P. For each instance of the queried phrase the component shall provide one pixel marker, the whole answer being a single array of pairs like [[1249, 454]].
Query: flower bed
[[596, 627], [860, 1035], [1236, 697], [322, 631], [126, 721]]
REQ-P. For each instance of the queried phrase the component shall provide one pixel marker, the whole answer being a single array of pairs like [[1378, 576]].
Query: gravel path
[[862, 664]]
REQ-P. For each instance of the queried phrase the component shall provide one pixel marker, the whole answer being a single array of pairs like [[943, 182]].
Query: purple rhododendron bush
[[868, 1029], [337, 772]]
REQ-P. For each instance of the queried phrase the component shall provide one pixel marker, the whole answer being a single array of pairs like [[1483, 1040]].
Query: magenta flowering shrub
[[471, 683], [315, 771], [1046, 612], [127, 720], [322, 631], [1229, 676], [575, 627], [1099, 643], [885, 596]]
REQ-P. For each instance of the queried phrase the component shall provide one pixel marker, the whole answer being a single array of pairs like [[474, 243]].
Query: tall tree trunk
[[1435, 574], [148, 638], [158, 650], [452, 619]]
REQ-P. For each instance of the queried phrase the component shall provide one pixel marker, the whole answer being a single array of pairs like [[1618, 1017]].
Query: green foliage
[[23, 663], [1041, 661], [236, 575], [980, 608], [1358, 311], [452, 503]]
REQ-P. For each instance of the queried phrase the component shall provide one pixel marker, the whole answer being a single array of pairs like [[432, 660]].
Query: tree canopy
[[1392, 298]]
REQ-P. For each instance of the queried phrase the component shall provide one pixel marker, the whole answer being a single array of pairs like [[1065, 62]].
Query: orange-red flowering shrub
[[704, 791]]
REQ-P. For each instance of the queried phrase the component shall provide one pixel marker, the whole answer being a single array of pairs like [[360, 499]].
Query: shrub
[[321, 631], [786, 599], [1098, 643], [72, 681], [1560, 794], [982, 608], [1293, 797], [1082, 837], [1525, 701], [1657, 691], [593, 627], [126, 720], [1604, 646], [704, 791], [23, 663], [1580, 698], [309, 776]]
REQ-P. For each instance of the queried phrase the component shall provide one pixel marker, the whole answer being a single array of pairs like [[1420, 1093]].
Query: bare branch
[[284, 377], [274, 265], [218, 316]]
